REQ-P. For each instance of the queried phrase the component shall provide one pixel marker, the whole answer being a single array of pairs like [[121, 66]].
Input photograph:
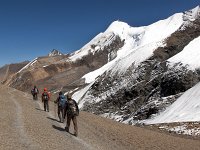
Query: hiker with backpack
[[35, 92], [61, 101], [45, 99], [72, 112]]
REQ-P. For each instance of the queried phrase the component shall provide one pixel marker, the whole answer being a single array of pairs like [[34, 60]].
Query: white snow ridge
[[184, 109]]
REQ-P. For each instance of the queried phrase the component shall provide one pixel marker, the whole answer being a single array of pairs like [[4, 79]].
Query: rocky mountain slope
[[125, 73], [56, 71], [10, 69]]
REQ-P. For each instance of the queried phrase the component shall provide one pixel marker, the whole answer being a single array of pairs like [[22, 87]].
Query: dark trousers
[[61, 113], [35, 97], [46, 105], [74, 120]]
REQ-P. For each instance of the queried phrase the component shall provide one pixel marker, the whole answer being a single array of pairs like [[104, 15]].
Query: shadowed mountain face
[[133, 78]]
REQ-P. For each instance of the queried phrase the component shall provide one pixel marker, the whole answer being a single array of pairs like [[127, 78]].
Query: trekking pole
[[55, 110]]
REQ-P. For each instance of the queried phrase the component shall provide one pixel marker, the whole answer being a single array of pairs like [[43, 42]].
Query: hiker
[[45, 99], [72, 112], [61, 101], [35, 92]]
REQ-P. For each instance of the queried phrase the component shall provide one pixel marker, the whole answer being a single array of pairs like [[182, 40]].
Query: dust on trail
[[19, 125], [24, 125], [12, 130]]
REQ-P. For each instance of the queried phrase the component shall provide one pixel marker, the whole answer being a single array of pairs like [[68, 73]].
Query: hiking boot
[[75, 134], [66, 129]]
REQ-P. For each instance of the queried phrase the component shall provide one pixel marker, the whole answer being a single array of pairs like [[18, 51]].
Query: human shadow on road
[[39, 109], [58, 128], [61, 129], [53, 119]]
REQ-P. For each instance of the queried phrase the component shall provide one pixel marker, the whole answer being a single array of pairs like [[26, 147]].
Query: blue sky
[[32, 28]]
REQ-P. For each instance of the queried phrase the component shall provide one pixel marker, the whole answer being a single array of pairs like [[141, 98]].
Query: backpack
[[72, 109], [45, 96], [35, 90], [32, 91], [62, 101]]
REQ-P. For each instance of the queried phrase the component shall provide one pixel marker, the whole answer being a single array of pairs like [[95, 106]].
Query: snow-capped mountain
[[125, 73], [54, 52], [147, 74]]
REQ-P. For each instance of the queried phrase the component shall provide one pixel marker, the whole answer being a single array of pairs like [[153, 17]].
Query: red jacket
[[43, 95]]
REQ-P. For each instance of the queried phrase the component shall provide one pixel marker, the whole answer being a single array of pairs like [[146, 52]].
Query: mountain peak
[[192, 14], [117, 27], [54, 52]]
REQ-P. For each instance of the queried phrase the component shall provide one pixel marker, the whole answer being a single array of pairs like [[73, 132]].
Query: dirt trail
[[24, 125]]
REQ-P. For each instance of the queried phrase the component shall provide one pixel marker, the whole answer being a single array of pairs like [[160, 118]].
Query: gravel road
[[25, 126]]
